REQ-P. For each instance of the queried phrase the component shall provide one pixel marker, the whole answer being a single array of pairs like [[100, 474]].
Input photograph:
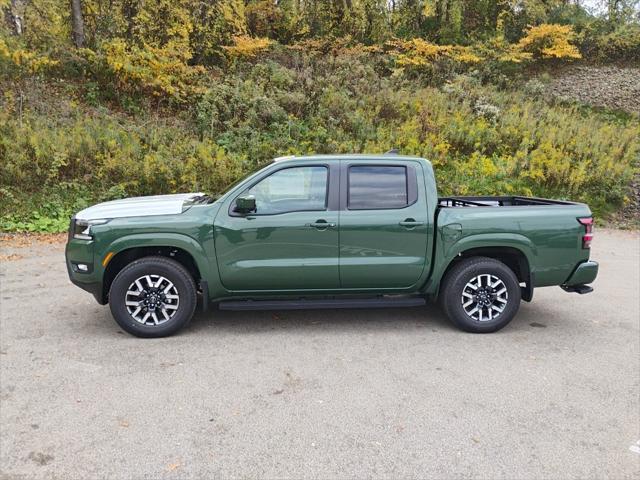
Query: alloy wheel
[[152, 300], [484, 297]]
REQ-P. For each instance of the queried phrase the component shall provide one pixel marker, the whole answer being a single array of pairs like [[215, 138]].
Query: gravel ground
[[320, 394]]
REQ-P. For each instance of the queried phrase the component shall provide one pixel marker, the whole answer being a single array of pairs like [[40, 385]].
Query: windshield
[[238, 181]]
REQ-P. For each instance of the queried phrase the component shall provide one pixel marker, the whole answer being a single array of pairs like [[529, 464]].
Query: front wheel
[[480, 295], [153, 297]]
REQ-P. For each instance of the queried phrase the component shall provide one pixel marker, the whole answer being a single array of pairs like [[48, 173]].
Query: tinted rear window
[[377, 187]]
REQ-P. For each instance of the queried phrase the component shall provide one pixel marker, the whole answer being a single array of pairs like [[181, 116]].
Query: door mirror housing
[[245, 204]]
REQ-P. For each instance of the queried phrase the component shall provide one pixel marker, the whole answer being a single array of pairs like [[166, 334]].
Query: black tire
[[455, 283], [173, 272]]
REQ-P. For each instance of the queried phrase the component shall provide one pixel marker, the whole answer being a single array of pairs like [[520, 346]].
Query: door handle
[[410, 223], [321, 224]]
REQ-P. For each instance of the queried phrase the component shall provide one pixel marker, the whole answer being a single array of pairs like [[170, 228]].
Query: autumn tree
[[77, 23]]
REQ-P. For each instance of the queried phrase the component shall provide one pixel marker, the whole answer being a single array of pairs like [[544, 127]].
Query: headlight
[[81, 229]]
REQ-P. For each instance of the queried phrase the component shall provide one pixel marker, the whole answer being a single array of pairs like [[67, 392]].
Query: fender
[[451, 250], [160, 239]]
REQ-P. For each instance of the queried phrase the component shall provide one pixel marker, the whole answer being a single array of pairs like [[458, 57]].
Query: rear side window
[[377, 187]]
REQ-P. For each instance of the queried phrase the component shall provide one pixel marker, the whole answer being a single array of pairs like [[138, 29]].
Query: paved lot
[[320, 394]]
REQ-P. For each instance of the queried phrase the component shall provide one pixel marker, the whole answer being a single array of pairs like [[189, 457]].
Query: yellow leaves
[[233, 12], [429, 8], [245, 47], [31, 62], [463, 55], [415, 52], [158, 70], [163, 24], [540, 42], [549, 41], [418, 52], [4, 50]]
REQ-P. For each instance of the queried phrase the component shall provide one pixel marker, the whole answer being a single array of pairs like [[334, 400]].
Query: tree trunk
[[77, 23], [13, 18]]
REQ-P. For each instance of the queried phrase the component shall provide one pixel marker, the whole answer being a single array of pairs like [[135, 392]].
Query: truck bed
[[503, 201]]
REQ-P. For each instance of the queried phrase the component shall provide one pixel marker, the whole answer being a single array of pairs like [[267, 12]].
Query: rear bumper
[[584, 273]]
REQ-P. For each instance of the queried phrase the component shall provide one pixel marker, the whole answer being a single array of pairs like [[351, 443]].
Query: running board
[[321, 303]]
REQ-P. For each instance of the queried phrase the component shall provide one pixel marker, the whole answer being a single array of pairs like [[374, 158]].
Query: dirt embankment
[[601, 86], [614, 87]]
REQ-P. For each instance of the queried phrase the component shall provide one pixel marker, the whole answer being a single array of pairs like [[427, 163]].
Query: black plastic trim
[[527, 290], [204, 286], [581, 289], [74, 266]]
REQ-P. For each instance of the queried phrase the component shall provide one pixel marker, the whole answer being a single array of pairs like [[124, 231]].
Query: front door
[[290, 242], [383, 225]]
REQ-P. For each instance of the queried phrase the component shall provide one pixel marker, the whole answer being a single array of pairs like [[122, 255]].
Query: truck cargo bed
[[505, 201]]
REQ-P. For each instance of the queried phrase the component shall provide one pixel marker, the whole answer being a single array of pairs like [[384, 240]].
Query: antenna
[[393, 151]]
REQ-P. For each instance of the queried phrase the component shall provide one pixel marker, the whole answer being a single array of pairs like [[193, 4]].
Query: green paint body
[[366, 252]]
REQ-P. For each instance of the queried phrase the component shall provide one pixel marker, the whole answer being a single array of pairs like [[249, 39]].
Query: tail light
[[587, 222]]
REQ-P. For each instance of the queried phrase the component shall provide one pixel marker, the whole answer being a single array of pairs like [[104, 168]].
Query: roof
[[351, 156]]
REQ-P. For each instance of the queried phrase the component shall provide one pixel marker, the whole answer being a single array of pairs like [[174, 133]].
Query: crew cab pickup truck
[[332, 231]]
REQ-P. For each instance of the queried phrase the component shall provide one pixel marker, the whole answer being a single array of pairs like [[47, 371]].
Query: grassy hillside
[[69, 145]]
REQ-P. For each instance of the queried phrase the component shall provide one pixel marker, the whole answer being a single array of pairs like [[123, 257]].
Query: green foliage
[[622, 43], [18, 62], [482, 140], [160, 71]]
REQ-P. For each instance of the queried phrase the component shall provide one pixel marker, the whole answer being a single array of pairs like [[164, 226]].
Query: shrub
[[622, 44], [18, 61], [160, 71], [549, 41], [245, 47]]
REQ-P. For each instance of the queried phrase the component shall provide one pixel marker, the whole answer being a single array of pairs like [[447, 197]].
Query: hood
[[141, 206]]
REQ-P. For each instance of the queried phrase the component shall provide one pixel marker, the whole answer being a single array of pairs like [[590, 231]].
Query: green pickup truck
[[328, 231]]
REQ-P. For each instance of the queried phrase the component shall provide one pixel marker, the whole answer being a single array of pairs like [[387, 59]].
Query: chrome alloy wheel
[[152, 300], [484, 297]]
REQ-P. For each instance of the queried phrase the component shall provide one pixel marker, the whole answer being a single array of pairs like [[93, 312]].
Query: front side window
[[377, 187], [290, 190]]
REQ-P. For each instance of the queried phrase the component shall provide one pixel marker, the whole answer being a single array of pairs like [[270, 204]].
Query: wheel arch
[[515, 251], [128, 249]]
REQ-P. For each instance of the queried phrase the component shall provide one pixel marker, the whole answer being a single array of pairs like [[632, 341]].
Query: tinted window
[[291, 189], [375, 187]]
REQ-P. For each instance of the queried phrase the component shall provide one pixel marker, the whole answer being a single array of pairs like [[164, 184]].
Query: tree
[[13, 17], [622, 10], [77, 22]]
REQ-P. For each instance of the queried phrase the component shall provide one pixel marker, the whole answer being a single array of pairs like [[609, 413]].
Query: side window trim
[[411, 179], [327, 199]]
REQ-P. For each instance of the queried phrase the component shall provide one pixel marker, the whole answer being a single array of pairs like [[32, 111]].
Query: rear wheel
[[153, 297], [480, 295]]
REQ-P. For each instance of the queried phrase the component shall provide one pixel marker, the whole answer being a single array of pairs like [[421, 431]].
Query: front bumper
[[81, 252]]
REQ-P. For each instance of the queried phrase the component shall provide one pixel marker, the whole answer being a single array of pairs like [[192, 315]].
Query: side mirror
[[245, 204]]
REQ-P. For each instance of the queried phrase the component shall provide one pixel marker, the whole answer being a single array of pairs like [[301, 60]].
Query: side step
[[581, 289], [312, 304]]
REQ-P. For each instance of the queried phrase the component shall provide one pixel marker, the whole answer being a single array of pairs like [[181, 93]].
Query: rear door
[[383, 224], [291, 241]]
